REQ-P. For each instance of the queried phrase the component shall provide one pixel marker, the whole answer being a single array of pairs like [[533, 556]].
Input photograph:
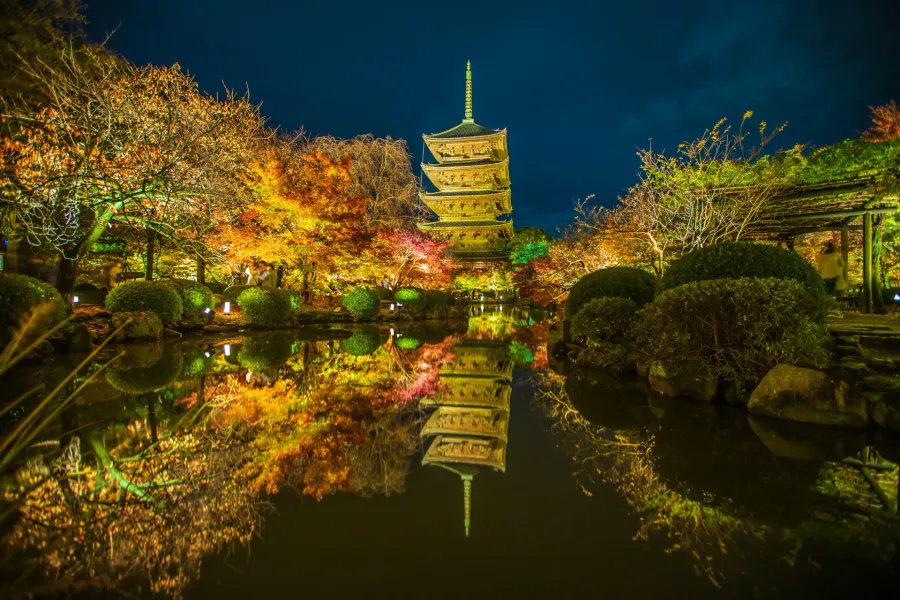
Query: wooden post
[[877, 259], [845, 253], [867, 263]]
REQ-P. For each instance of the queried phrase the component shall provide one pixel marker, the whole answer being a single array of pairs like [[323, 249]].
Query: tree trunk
[[867, 263], [877, 259], [148, 268], [201, 271], [66, 273]]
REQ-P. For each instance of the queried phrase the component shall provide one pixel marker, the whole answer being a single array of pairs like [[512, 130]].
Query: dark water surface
[[294, 467]]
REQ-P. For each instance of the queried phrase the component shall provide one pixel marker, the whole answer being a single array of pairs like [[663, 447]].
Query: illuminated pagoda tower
[[470, 426], [472, 178]]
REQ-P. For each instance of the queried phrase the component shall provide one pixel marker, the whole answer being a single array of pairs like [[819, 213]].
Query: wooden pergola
[[835, 205]]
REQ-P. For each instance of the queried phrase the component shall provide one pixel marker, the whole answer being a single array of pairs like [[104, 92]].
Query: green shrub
[[295, 299], [741, 259], [613, 358], [137, 296], [264, 307], [364, 341], [195, 297], [20, 293], [411, 298], [408, 342], [605, 320], [734, 329], [148, 379], [195, 363], [232, 292], [362, 303], [438, 299], [265, 352], [615, 282]]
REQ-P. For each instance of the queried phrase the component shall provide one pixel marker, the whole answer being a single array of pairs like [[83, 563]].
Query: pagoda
[[472, 178]]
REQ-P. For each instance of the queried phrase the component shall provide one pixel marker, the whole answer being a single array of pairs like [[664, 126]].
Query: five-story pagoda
[[472, 178]]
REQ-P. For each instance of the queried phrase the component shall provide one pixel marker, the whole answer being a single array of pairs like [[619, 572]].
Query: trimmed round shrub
[[195, 297], [438, 299], [138, 296], [149, 379], [364, 341], [606, 356], [615, 282], [264, 307], [411, 298], [232, 292], [735, 260], [19, 294], [734, 329], [408, 342], [362, 303], [605, 320], [295, 299], [266, 352]]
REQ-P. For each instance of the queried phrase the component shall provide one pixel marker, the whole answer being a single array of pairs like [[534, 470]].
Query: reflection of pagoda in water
[[471, 422]]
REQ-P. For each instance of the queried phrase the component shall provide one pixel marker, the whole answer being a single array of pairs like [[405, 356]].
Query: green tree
[[527, 244]]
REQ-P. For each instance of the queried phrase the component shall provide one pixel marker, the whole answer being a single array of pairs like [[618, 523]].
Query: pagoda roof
[[485, 162], [475, 255], [449, 194], [464, 130], [465, 224]]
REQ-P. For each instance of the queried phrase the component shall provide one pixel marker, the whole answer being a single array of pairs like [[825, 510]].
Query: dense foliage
[[265, 308], [734, 329], [438, 299], [363, 303], [527, 244], [604, 320], [616, 282], [137, 296], [20, 294], [266, 352], [411, 298], [139, 380], [195, 297], [741, 259], [231, 293]]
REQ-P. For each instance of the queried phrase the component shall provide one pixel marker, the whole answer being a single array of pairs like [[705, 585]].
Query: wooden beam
[[867, 263], [841, 213], [826, 191]]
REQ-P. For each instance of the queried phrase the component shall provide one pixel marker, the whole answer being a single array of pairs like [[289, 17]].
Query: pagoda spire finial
[[468, 118], [467, 502]]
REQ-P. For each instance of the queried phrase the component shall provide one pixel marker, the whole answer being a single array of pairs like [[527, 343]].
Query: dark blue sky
[[579, 85]]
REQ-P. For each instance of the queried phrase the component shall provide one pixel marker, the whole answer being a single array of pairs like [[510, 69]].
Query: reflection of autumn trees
[[334, 420], [132, 513], [837, 511]]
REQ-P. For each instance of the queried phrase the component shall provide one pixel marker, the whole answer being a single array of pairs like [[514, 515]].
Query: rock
[[643, 369], [806, 442], [143, 326], [886, 412], [687, 382], [170, 333], [78, 339], [848, 339], [845, 349], [809, 396], [882, 383], [855, 367]]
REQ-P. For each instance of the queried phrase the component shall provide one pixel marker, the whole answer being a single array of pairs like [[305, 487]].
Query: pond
[[439, 459]]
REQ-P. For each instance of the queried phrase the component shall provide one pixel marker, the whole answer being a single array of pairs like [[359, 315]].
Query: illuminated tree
[[527, 244], [139, 147], [885, 123]]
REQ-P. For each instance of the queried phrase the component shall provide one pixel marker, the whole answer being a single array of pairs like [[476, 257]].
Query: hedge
[[137, 296], [735, 260], [616, 282], [438, 299], [734, 329], [411, 298], [265, 352], [19, 294], [264, 307], [605, 320], [364, 341], [195, 297], [231, 293], [362, 303], [148, 379]]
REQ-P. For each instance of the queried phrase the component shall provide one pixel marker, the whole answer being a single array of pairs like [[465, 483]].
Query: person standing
[[831, 268]]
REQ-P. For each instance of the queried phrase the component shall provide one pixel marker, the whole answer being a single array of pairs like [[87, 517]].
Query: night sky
[[579, 85]]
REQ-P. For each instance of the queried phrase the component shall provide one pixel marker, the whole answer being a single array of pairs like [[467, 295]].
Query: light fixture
[[75, 299], [206, 354], [207, 310], [227, 308], [249, 375], [392, 332], [392, 306], [227, 350], [896, 297]]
